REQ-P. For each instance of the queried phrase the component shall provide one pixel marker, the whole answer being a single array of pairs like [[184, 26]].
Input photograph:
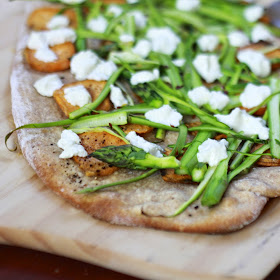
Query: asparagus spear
[[134, 158]]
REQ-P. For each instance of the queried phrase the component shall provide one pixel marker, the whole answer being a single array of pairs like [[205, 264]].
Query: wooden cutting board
[[34, 217]]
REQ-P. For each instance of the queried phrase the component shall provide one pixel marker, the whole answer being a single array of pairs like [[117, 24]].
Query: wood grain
[[34, 217]]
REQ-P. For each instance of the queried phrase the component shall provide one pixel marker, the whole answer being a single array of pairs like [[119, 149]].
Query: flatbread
[[146, 203]]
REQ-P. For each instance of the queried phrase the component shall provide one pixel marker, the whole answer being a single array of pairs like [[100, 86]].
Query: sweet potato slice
[[63, 51], [138, 128], [92, 141], [169, 175], [93, 87], [39, 18], [259, 112]]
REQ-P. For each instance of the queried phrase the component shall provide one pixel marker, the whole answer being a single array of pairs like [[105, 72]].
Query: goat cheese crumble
[[103, 71], [141, 143], [70, 143], [208, 67], [240, 121], [60, 36], [199, 95], [142, 77], [212, 151], [253, 13], [77, 95], [218, 100], [143, 47], [117, 97], [179, 62], [98, 24], [58, 21], [238, 39], [139, 18], [187, 5], [45, 55], [163, 40], [83, 63], [115, 10], [256, 61], [72, 1], [164, 115], [126, 38], [254, 95], [208, 42], [47, 85], [261, 33]]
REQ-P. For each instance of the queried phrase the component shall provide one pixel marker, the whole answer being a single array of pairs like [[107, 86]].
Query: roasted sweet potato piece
[[63, 51], [93, 141], [138, 128], [271, 55], [193, 124], [169, 175], [39, 18], [260, 112], [266, 160], [93, 87]]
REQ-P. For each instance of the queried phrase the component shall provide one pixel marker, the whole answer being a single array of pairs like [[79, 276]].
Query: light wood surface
[[32, 216]]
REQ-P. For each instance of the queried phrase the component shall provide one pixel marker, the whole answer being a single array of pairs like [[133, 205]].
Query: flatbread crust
[[145, 203]]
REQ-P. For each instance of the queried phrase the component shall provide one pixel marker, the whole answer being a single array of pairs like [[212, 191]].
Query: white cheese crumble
[[142, 48], [240, 120], [253, 13], [141, 143], [212, 151], [77, 95], [199, 95], [83, 63], [70, 143], [163, 40], [41, 39], [103, 71], [115, 10], [58, 21], [261, 33], [142, 77], [208, 67], [208, 42], [139, 18], [45, 55], [126, 38], [164, 115], [179, 62], [254, 95], [98, 24], [72, 1], [60, 36], [238, 39], [187, 5], [117, 97], [47, 85], [218, 100], [37, 40], [256, 61]]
